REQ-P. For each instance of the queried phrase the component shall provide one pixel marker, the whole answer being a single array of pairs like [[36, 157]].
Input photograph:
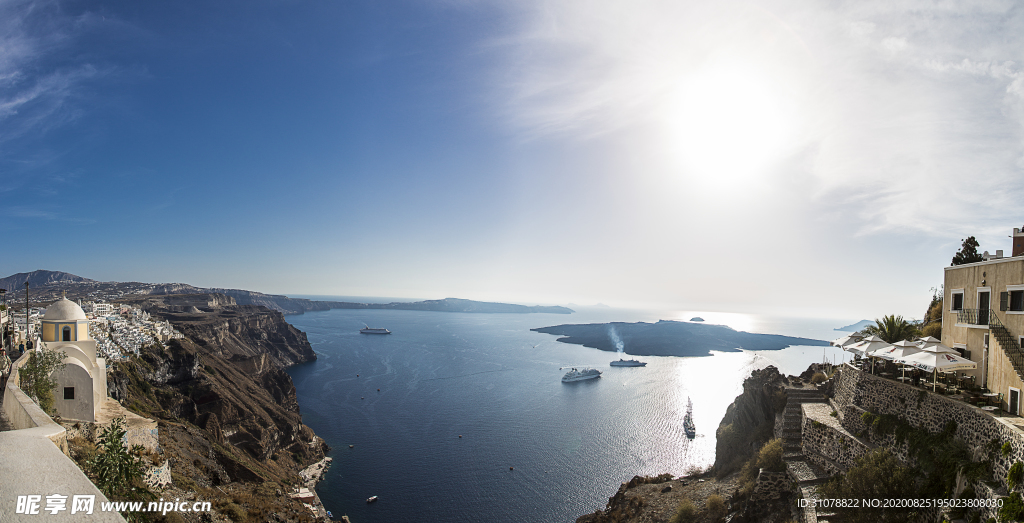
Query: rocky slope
[[229, 417]]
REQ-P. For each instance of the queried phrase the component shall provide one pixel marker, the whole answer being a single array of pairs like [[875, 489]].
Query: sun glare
[[730, 124]]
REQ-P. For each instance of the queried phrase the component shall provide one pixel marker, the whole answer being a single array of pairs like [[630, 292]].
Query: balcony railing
[[974, 316]]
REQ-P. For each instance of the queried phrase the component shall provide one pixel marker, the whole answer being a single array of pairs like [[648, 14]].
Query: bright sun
[[730, 124]]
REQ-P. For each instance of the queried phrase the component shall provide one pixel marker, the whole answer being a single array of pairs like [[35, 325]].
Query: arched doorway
[[66, 334]]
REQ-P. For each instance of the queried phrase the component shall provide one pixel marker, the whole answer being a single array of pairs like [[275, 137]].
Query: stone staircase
[[806, 474]]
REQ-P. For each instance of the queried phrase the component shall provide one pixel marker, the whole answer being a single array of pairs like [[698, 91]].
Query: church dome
[[64, 309]]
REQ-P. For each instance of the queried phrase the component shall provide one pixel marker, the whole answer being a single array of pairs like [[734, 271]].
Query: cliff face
[[226, 405], [253, 337], [750, 419]]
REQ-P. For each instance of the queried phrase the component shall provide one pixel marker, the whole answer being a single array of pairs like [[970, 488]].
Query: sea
[[458, 417]]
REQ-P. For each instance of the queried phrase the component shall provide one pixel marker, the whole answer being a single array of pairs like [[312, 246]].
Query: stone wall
[[825, 442], [159, 477], [857, 392], [771, 486]]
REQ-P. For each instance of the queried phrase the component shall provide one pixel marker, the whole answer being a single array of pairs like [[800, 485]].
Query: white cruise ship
[[369, 330], [581, 374], [628, 363]]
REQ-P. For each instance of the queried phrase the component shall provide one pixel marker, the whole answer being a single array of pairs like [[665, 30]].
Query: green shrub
[[686, 512], [35, 377], [115, 469], [1015, 475], [1013, 507], [715, 508], [819, 377], [1006, 449], [876, 475], [235, 512]]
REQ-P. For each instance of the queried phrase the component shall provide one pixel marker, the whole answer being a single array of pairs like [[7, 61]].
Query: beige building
[[984, 316], [82, 385]]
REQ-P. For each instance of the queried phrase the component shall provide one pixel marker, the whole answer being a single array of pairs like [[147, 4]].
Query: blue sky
[[785, 157]]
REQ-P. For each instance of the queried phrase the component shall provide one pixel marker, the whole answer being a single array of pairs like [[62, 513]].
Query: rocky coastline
[[228, 415]]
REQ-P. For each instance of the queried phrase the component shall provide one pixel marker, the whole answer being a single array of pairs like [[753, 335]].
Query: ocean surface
[[531, 448]]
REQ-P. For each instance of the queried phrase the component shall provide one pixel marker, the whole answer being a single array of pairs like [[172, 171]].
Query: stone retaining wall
[[771, 486], [857, 392], [825, 442]]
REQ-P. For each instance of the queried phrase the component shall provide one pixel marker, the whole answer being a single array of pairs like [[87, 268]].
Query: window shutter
[[1003, 298]]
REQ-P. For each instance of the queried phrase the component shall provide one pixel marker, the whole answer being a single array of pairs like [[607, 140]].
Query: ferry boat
[[688, 427], [371, 499], [369, 330], [580, 375], [628, 363]]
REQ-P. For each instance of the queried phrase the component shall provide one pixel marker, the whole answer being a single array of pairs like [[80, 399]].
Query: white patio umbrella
[[867, 347], [849, 339], [937, 347], [936, 361], [928, 339], [898, 350]]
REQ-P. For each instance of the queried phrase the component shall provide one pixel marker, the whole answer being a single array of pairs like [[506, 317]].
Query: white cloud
[[912, 112]]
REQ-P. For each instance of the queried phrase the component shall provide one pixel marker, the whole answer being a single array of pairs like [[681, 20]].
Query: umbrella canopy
[[938, 348], [928, 339], [896, 351], [866, 347], [847, 340], [936, 361]]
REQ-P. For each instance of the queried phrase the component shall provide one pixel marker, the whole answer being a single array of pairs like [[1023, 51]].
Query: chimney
[[1018, 242]]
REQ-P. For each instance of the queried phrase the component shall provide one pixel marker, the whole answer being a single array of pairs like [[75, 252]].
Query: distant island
[[48, 286], [671, 338], [456, 305], [856, 326]]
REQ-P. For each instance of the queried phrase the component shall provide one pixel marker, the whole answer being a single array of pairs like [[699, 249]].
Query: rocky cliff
[[749, 421], [229, 416]]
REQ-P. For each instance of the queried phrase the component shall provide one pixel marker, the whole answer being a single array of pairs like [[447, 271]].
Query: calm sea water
[[489, 379]]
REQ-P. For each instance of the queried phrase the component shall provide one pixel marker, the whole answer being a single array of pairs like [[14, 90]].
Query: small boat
[[371, 499], [688, 426], [628, 363], [369, 330]]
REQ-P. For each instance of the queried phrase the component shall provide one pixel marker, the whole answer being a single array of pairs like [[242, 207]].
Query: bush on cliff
[[768, 458], [714, 507], [686, 512], [877, 475]]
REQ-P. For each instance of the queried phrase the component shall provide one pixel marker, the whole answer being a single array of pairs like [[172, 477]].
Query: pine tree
[[968, 252]]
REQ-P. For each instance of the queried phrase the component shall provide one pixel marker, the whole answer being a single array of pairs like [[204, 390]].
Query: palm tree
[[892, 328]]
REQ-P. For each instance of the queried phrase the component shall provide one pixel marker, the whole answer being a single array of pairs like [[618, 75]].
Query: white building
[[82, 385]]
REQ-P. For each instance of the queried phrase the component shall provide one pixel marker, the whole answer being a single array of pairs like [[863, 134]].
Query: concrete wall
[[35, 462]]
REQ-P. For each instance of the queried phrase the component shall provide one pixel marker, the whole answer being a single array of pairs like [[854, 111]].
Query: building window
[[1017, 301], [957, 300], [66, 334], [69, 393]]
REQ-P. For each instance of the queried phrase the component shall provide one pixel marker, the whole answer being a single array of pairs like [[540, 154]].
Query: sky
[[775, 157]]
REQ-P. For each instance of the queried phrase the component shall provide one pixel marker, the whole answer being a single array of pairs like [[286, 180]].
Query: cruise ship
[[369, 330], [580, 375], [628, 363]]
